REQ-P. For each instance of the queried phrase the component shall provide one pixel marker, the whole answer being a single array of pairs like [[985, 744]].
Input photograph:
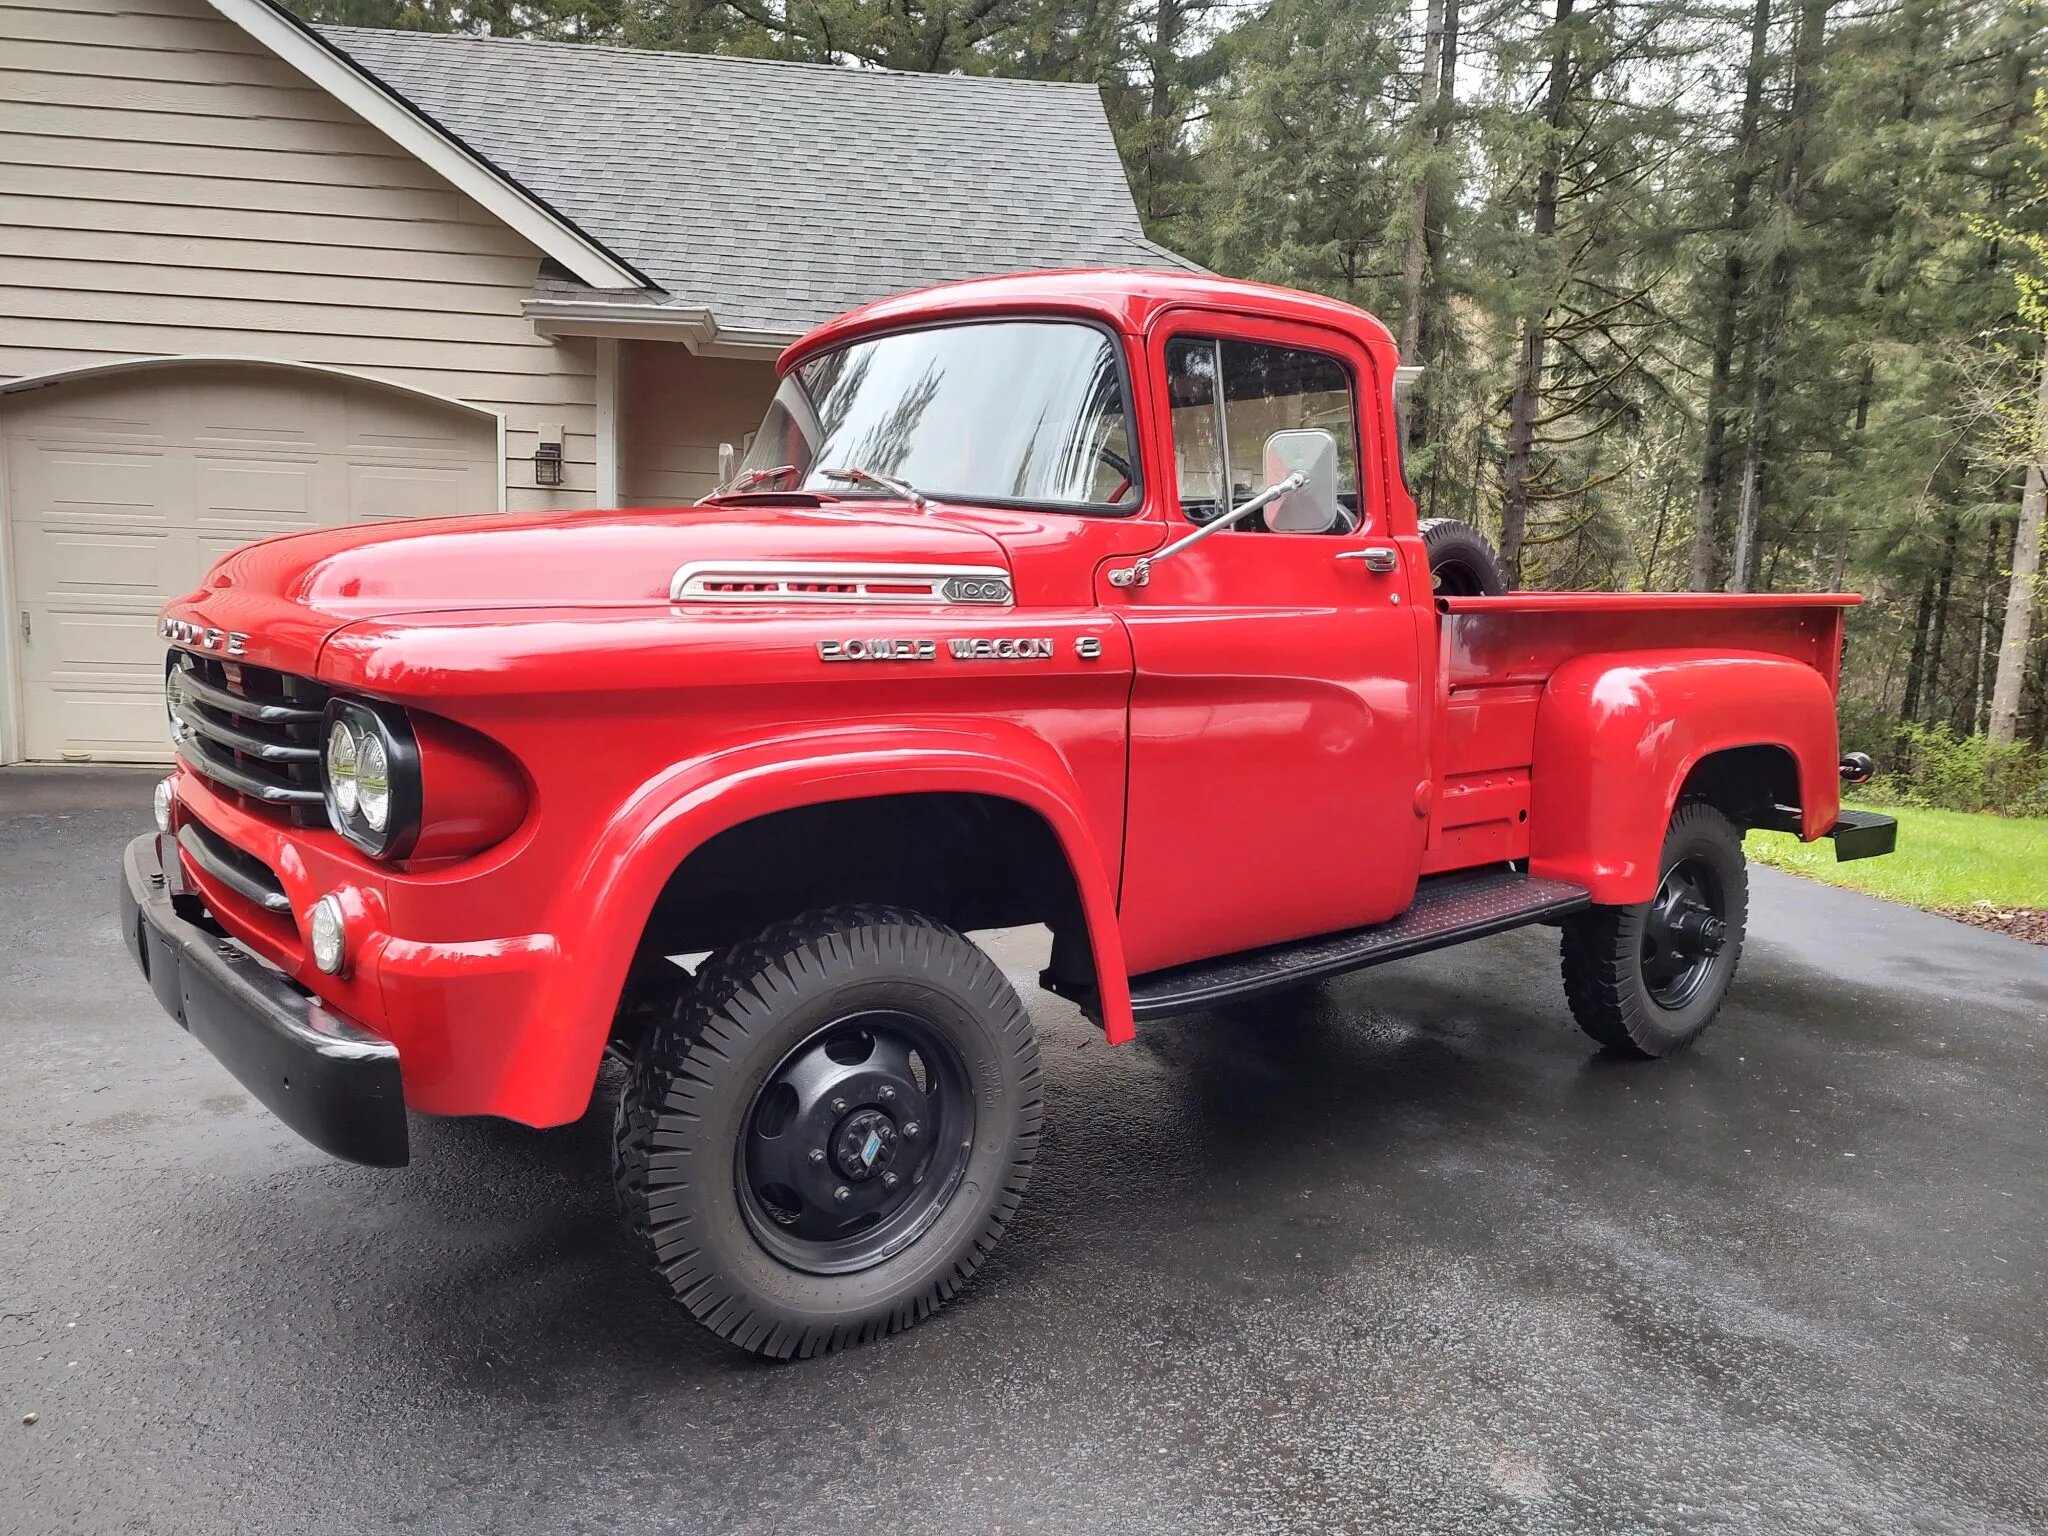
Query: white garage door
[[121, 490]]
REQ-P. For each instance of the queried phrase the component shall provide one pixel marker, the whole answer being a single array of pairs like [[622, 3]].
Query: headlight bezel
[[328, 919], [176, 664], [388, 725]]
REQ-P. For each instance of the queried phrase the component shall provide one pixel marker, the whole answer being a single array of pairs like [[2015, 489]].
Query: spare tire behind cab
[[1461, 562]]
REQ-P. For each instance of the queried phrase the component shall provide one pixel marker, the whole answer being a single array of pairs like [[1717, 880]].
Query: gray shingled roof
[[780, 194]]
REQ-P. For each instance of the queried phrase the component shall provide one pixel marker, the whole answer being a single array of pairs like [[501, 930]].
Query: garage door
[[121, 490]]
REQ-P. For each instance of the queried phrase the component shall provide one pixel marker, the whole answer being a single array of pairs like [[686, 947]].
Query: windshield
[[1014, 411]]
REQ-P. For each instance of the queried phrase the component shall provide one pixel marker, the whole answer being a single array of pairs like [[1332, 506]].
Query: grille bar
[[252, 732], [243, 741], [267, 711], [245, 875], [208, 760]]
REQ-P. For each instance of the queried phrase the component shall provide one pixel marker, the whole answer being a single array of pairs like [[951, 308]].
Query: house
[[256, 277]]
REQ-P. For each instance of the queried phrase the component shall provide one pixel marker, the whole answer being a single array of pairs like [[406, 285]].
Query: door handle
[[1381, 559]]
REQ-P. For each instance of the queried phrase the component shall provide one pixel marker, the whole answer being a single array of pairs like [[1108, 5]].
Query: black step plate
[[1864, 835], [1447, 910]]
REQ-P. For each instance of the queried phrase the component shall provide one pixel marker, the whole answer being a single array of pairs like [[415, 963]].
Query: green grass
[[1945, 859]]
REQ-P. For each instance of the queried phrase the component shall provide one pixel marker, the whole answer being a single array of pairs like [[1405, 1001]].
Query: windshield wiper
[[858, 476], [752, 477]]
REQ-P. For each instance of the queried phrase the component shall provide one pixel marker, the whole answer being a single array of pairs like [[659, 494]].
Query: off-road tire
[[1603, 948], [677, 1132], [1461, 561]]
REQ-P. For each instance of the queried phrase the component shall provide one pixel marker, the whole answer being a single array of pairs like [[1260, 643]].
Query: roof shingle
[[779, 194]]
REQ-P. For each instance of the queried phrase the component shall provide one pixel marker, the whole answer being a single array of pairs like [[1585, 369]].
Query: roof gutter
[[348, 82], [693, 325]]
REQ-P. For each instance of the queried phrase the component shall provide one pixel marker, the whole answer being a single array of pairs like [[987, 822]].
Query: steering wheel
[[1122, 466]]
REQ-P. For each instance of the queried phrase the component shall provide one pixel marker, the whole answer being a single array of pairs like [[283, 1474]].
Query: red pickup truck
[[1087, 600]]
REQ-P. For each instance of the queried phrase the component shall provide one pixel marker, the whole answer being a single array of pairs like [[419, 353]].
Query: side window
[[1227, 397]]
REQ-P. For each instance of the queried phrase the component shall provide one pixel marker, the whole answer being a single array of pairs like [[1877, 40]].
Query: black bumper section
[[1863, 835], [333, 1082]]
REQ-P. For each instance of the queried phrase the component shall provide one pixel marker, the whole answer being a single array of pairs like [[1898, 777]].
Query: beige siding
[[674, 410], [169, 187], [123, 488]]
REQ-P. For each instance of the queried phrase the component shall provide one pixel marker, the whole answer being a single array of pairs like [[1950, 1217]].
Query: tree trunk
[[1728, 302], [1938, 646], [1420, 418], [1983, 667], [1657, 539], [1168, 21], [2026, 565], [1802, 110], [1909, 707], [1414, 265], [1523, 404]]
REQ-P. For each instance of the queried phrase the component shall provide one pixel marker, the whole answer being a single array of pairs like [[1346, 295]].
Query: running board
[[1448, 909]]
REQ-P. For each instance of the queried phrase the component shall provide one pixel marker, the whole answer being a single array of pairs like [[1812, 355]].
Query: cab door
[[1276, 743]]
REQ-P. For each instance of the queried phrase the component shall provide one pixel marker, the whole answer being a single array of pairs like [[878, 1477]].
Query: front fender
[[600, 917], [1616, 737]]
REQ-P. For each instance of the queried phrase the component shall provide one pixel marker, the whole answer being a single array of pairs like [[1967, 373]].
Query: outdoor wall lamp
[[547, 457]]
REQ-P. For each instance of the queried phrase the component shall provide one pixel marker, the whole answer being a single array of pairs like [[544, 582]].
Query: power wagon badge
[[979, 648]]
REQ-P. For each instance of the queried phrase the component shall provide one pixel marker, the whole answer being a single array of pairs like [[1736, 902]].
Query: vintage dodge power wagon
[[1093, 601]]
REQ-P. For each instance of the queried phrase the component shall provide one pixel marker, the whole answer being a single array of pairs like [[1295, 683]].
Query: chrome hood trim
[[839, 581]]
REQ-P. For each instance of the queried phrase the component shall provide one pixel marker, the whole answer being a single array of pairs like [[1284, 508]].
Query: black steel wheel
[[1648, 979], [1683, 932], [827, 1132], [856, 1142]]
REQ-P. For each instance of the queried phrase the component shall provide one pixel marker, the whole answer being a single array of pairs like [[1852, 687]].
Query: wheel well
[[1746, 784], [968, 861]]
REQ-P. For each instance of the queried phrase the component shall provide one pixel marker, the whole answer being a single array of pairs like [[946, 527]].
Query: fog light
[[161, 802], [330, 935]]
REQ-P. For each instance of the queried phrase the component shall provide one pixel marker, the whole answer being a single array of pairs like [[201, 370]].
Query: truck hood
[[286, 594]]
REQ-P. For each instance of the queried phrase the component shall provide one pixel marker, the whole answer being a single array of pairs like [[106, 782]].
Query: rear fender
[[1617, 736], [601, 916]]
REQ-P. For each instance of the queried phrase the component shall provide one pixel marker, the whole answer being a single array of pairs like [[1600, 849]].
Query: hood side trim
[[840, 581]]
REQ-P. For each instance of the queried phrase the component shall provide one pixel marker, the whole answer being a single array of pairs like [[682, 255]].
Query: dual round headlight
[[359, 775], [370, 772]]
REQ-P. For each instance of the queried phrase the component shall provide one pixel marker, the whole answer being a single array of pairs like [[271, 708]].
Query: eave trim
[[349, 83]]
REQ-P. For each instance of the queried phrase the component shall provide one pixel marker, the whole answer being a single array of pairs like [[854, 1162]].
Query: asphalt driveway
[[1400, 1253]]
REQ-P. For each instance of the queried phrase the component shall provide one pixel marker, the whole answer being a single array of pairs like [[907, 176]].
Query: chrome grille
[[250, 731], [243, 873]]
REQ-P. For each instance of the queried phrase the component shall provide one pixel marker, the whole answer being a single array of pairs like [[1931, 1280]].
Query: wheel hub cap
[[1684, 934], [864, 1145]]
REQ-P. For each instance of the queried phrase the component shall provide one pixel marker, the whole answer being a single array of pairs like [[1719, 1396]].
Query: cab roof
[[1127, 299]]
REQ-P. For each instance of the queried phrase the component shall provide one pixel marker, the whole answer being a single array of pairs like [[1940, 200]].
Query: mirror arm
[[1140, 574]]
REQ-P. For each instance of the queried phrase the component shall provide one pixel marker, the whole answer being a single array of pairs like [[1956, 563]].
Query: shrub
[[1933, 766]]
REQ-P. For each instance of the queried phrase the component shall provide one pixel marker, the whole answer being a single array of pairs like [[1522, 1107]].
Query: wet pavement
[[1399, 1253]]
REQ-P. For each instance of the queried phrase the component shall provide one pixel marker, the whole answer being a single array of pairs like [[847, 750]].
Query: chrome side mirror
[[1313, 508], [728, 463]]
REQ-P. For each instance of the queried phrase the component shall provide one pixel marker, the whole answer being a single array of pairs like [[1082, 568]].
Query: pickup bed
[[1087, 600]]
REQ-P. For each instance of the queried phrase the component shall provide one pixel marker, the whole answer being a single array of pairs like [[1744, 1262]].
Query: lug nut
[[888, 1181], [911, 1127], [842, 1193], [888, 1093], [839, 1106], [817, 1154]]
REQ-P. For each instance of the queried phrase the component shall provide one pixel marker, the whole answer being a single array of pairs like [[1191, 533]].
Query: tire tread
[[679, 1064], [1602, 981]]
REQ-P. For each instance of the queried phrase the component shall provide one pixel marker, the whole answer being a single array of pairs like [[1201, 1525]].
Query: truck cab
[[1089, 600]]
